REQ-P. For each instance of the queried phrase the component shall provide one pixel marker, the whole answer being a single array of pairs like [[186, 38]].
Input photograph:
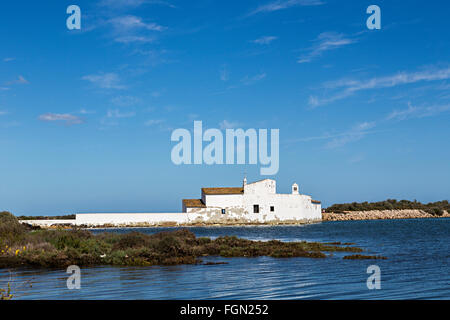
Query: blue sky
[[86, 116]]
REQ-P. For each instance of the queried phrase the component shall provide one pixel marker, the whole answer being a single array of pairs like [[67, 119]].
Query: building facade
[[253, 202]]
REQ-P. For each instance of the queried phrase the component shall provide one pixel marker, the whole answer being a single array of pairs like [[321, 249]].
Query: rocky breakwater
[[380, 214]]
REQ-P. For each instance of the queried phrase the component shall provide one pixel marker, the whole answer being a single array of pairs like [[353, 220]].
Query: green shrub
[[11, 230], [434, 208], [132, 240]]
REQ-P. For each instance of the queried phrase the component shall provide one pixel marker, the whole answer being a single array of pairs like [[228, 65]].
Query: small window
[[295, 188], [223, 211], [255, 208], [272, 208]]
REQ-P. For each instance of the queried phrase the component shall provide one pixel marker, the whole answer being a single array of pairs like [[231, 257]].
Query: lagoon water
[[418, 252]]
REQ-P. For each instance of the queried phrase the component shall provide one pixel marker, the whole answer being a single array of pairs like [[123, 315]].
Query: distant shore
[[380, 214]]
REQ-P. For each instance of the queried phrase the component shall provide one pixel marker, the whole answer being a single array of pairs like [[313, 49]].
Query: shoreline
[[327, 216], [381, 215], [172, 225]]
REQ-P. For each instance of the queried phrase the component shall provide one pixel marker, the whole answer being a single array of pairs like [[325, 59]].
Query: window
[[272, 208], [256, 208], [295, 188], [223, 211]]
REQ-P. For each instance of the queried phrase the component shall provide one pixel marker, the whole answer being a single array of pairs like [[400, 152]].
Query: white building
[[253, 203]]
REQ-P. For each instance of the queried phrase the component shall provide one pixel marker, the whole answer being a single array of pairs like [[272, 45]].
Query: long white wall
[[129, 219], [47, 223]]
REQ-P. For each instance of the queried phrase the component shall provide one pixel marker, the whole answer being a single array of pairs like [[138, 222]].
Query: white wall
[[224, 200], [130, 218], [47, 223]]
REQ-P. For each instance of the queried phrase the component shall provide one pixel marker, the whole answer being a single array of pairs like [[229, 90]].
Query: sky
[[86, 115]]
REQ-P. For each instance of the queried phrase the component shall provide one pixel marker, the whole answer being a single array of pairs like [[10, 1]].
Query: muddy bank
[[380, 214]]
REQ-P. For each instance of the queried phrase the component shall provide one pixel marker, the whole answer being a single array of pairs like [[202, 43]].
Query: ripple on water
[[417, 268]]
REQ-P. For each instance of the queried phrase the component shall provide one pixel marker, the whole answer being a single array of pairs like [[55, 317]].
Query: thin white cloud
[[285, 4], [265, 40], [125, 101], [417, 112], [133, 22], [336, 140], [121, 3], [19, 80], [326, 41], [350, 87], [356, 159], [355, 134], [105, 80], [247, 80], [224, 73], [84, 111], [124, 4], [225, 124], [133, 39], [65, 117], [115, 113], [8, 59], [130, 29], [153, 122]]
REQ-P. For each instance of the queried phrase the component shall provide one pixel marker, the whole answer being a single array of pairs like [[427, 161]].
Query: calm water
[[417, 268]]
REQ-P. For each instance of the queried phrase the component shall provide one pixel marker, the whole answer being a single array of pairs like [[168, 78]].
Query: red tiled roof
[[316, 201], [193, 203], [224, 190]]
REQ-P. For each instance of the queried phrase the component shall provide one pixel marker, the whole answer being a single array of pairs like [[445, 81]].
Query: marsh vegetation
[[22, 246]]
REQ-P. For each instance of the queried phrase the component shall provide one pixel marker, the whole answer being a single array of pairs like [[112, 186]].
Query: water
[[417, 268]]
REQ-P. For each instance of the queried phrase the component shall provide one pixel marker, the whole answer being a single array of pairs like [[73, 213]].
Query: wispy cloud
[[336, 140], [8, 59], [225, 124], [245, 81], [265, 40], [121, 4], [64, 117], [356, 159], [417, 112], [3, 112], [133, 39], [347, 88], [125, 101], [84, 111], [224, 73], [354, 134], [105, 80], [326, 41], [132, 29], [19, 80], [249, 80], [134, 22], [116, 113], [153, 122], [285, 4]]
